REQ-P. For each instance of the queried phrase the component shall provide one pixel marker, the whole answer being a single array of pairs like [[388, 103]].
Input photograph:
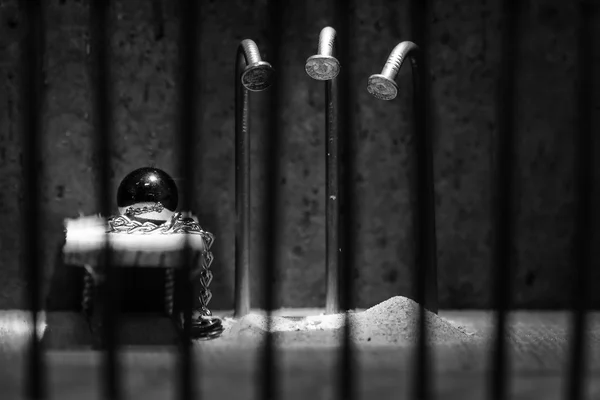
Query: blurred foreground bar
[[426, 252], [344, 10], [583, 229], [189, 49], [268, 387], [503, 215], [103, 134], [31, 100]]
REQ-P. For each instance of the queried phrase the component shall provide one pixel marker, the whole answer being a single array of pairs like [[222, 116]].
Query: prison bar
[[189, 50], [103, 132], [346, 378], [426, 254], [32, 99], [269, 384], [425, 229], [583, 179], [503, 217]]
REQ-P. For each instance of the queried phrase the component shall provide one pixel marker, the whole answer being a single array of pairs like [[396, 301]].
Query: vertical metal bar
[[332, 301], [102, 94], [188, 87], [269, 388], [347, 376], [583, 229], [426, 257], [242, 190], [504, 192], [31, 99]]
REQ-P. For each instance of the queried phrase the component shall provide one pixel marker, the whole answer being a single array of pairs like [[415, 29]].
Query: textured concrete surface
[[538, 363], [465, 51]]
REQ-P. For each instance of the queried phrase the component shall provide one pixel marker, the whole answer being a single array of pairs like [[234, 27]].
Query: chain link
[[133, 211], [207, 327]]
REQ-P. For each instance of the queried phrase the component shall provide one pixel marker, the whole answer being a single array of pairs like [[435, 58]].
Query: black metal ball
[[148, 185]]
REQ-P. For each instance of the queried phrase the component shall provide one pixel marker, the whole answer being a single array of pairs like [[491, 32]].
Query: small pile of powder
[[394, 321]]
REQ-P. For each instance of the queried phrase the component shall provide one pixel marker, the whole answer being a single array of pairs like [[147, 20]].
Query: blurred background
[[464, 53]]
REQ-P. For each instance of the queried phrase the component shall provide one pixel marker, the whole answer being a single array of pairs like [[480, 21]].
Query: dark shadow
[[141, 289], [66, 285]]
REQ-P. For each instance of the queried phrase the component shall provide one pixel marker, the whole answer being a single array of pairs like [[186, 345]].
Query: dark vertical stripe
[[346, 379], [189, 161], [31, 100], [102, 93], [269, 389], [426, 254], [425, 229], [503, 218], [583, 228]]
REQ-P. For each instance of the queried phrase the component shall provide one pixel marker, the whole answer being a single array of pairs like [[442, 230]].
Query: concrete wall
[[465, 56]]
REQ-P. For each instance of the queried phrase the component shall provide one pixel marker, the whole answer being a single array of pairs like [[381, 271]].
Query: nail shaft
[[327, 41], [251, 51], [397, 56], [332, 300], [383, 86], [242, 185]]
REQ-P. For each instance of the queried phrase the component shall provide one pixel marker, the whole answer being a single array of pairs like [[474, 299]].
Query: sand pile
[[394, 321]]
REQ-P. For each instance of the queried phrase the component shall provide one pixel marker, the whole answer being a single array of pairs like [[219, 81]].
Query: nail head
[[382, 87], [322, 68], [257, 77]]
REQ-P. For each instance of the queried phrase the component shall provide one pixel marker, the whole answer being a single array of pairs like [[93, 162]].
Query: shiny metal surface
[[324, 66], [176, 225], [257, 74], [147, 185], [384, 87], [257, 77], [332, 200], [151, 190], [251, 74]]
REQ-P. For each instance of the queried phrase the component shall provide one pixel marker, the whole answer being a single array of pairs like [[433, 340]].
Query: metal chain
[[207, 327], [169, 290], [88, 292], [158, 207]]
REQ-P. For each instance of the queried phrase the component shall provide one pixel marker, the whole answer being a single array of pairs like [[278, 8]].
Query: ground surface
[[226, 370]]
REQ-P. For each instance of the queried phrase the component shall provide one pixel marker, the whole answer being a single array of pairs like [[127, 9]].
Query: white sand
[[394, 321]]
